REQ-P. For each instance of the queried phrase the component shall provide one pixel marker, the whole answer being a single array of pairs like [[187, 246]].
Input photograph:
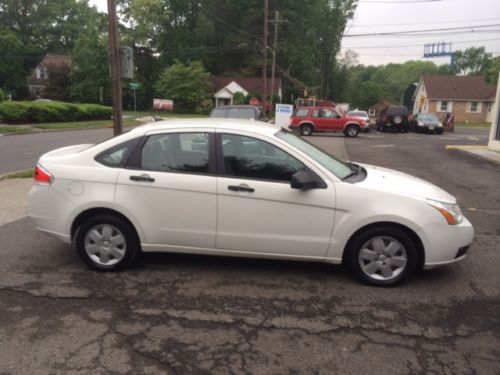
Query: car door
[[170, 188], [258, 211], [333, 119]]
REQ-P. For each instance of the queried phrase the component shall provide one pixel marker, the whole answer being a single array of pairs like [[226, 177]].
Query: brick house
[[470, 98], [39, 78], [224, 88]]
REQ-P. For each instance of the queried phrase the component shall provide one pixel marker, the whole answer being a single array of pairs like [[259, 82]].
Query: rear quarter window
[[301, 112], [117, 156]]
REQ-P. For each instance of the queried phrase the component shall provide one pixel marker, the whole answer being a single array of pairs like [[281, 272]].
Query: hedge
[[36, 112]]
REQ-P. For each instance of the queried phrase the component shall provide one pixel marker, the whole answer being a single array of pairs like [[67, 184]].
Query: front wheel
[[107, 243], [351, 131], [382, 256]]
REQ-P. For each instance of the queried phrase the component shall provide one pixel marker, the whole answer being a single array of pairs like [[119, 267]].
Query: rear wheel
[[351, 131], [382, 256], [107, 243], [306, 130]]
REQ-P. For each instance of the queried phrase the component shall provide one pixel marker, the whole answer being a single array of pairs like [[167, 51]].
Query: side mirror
[[306, 180]]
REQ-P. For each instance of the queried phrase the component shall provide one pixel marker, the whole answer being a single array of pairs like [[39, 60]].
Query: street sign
[[134, 85]]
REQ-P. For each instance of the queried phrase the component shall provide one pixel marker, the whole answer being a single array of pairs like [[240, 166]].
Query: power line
[[353, 25], [398, 1], [419, 45], [409, 32]]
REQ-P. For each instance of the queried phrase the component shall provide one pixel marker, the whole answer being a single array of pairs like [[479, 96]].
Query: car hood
[[389, 180]]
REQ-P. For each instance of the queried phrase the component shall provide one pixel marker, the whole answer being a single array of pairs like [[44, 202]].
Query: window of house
[[176, 152], [443, 106], [247, 157], [474, 107]]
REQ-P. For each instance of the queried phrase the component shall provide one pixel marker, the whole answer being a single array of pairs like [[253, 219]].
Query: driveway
[[192, 314]]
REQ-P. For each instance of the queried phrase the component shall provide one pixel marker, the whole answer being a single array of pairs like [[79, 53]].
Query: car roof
[[236, 106], [203, 123]]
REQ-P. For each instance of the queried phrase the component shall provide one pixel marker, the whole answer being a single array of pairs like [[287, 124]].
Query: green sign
[[134, 85]]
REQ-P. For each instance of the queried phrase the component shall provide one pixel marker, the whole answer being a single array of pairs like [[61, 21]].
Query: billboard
[[163, 104]]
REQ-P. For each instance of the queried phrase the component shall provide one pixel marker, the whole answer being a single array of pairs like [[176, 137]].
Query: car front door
[[170, 189], [258, 211]]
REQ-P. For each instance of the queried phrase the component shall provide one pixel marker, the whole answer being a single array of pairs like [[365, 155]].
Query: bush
[[37, 112]]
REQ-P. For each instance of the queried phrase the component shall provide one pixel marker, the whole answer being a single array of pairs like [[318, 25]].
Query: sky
[[382, 16], [468, 17]]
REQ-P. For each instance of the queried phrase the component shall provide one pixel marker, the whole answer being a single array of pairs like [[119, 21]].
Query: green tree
[[491, 74], [90, 71], [16, 61], [52, 26], [186, 85], [472, 61]]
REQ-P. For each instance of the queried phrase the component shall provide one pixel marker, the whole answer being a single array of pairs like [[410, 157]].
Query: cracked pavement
[[178, 314]]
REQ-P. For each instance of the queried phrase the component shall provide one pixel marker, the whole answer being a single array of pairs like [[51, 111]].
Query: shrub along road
[[194, 314]]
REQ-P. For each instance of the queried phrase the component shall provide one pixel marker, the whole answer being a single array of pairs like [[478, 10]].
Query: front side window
[[328, 113], [337, 167], [176, 152], [247, 157]]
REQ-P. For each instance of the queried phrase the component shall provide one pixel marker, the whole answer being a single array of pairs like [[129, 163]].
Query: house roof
[[458, 88], [250, 84], [56, 60]]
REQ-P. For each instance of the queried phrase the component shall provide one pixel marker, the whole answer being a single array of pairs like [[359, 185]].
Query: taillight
[[42, 176]]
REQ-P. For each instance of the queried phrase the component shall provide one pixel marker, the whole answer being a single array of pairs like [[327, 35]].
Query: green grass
[[130, 118], [72, 125], [28, 173], [13, 129]]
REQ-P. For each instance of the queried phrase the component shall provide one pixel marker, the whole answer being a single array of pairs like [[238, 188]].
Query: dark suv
[[397, 118], [248, 112]]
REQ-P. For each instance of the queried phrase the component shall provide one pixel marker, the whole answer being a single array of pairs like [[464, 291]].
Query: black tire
[[384, 261], [118, 243], [306, 130], [351, 131]]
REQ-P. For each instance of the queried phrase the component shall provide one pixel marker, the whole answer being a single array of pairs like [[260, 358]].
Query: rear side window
[[176, 152], [118, 155], [243, 113], [301, 112], [218, 113]]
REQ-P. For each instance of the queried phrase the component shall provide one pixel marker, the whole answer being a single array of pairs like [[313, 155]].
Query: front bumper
[[448, 243]]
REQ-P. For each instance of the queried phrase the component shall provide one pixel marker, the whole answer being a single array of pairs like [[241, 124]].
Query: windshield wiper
[[354, 170]]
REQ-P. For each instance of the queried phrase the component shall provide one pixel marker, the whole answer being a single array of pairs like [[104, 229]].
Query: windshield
[[337, 167], [428, 117]]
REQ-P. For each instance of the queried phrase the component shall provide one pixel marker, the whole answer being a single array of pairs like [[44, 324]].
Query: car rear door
[[170, 189]]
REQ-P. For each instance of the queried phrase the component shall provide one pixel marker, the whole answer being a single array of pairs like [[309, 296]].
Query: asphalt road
[[192, 314], [22, 151]]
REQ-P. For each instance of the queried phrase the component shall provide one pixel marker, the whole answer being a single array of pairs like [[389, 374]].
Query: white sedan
[[241, 188]]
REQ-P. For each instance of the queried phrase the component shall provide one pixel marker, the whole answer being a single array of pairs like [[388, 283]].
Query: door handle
[[143, 177], [246, 189]]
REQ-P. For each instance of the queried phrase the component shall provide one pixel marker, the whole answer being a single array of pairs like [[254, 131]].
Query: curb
[[478, 152]]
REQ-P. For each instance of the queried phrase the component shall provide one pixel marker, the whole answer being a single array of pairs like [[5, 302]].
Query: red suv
[[321, 119]]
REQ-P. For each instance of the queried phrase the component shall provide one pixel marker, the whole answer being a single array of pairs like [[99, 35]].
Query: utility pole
[[275, 45], [264, 68], [116, 84]]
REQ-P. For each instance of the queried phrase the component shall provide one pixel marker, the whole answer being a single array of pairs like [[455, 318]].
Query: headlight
[[420, 123], [451, 212], [440, 125]]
